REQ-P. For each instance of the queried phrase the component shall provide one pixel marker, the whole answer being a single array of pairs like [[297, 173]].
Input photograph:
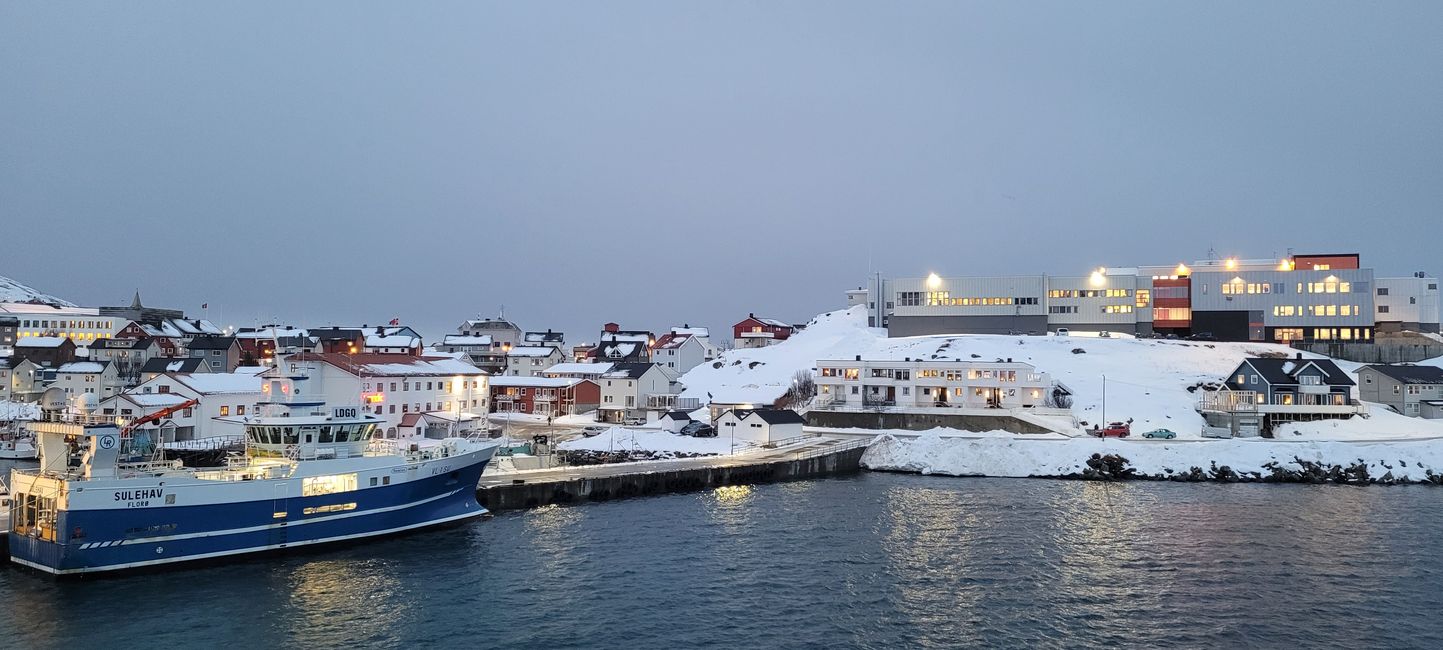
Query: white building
[[392, 344], [79, 324], [398, 388], [1407, 304], [98, 378], [680, 352], [867, 384], [20, 380], [218, 395], [532, 360], [761, 426], [626, 388]]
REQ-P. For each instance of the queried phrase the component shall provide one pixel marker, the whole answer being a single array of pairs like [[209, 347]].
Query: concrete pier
[[517, 490]]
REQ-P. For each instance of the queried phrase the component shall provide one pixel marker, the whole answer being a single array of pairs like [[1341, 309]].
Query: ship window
[[326, 434], [315, 486], [290, 436]]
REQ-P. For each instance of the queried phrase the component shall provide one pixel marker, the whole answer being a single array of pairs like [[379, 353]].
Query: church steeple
[[135, 302]]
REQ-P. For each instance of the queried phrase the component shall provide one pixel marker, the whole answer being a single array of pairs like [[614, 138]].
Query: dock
[[813, 457]]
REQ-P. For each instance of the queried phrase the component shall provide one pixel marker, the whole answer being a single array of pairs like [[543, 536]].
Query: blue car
[[1164, 434]]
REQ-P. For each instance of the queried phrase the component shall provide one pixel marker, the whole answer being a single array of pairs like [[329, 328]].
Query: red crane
[[158, 415]]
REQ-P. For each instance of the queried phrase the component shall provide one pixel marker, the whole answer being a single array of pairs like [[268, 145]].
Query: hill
[[12, 291]]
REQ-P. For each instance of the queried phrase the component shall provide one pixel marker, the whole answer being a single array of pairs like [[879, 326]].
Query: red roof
[[672, 340]]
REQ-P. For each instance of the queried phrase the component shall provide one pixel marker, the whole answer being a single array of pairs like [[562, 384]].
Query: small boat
[[103, 500]]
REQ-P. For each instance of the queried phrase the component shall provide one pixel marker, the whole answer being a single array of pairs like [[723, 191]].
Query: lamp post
[[1104, 401]]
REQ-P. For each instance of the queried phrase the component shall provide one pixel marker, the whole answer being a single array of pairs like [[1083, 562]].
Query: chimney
[[751, 315], [859, 357], [1009, 359], [611, 327], [1300, 356]]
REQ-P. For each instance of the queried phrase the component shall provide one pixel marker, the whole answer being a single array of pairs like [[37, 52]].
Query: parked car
[[634, 422], [1113, 430], [1063, 331], [1171, 337], [1163, 434], [1202, 336], [698, 430], [592, 431]]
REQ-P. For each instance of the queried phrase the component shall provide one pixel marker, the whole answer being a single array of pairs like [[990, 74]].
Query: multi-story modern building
[[398, 388], [1409, 303], [1302, 297]]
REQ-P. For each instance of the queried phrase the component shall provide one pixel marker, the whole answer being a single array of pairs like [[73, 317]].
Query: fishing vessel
[[103, 500]]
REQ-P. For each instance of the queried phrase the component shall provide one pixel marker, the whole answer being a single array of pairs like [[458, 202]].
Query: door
[[279, 514]]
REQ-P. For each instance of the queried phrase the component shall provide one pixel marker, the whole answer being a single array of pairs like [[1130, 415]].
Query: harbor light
[[1182, 270], [1099, 277], [1232, 263], [934, 281]]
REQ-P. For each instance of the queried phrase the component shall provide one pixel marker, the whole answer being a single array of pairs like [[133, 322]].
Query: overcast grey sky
[[665, 162]]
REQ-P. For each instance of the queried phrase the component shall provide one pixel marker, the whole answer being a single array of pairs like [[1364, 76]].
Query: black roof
[[779, 416], [1411, 374], [162, 364], [677, 415], [629, 370], [1284, 371], [211, 343]]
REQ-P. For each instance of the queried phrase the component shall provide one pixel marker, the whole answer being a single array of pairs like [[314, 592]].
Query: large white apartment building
[[399, 388], [865, 383]]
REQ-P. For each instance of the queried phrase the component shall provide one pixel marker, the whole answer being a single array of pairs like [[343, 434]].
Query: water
[[877, 560]]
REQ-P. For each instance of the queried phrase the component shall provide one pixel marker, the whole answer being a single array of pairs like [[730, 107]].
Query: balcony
[[1246, 401], [670, 402]]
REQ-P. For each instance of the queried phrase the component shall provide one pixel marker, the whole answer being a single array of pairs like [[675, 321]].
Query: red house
[[760, 332], [133, 330], [549, 396]]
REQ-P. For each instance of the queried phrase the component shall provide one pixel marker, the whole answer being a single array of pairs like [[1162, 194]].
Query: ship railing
[[152, 468]]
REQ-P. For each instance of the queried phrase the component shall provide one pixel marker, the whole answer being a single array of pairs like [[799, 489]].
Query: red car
[[1114, 430]]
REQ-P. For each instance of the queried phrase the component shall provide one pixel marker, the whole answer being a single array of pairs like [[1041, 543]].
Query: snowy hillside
[[1147, 379], [12, 291]]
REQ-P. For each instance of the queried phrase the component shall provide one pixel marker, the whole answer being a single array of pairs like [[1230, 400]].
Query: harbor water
[[874, 560]]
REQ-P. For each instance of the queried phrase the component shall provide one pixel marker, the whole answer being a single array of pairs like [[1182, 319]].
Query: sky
[[660, 163]]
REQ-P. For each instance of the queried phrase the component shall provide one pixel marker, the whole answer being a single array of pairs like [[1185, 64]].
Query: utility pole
[[1104, 401]]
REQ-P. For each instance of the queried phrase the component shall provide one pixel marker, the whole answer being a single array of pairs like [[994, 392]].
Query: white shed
[[761, 426], [673, 421]]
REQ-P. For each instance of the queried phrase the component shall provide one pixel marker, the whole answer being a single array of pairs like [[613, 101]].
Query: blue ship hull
[[133, 538]]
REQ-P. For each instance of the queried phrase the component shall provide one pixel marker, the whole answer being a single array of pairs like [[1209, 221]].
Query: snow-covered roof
[[462, 339], [700, 332], [392, 341], [392, 365], [155, 399], [589, 369], [246, 380], [535, 382], [532, 351], [616, 350], [40, 342], [83, 367], [629, 337]]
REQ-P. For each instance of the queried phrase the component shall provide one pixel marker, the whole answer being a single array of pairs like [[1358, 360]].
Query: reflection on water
[[876, 560]]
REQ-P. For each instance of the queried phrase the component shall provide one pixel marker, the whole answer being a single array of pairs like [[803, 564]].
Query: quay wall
[[920, 421], [517, 496]]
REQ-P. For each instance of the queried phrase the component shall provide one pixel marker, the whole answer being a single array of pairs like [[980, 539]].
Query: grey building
[[1415, 391], [221, 353]]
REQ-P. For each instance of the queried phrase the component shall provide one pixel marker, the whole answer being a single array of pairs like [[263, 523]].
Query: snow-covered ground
[[1147, 380], [580, 420], [1013, 456], [650, 440]]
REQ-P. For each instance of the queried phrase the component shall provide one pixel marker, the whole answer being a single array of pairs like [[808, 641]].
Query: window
[[1382, 309], [1382, 291], [1310, 380], [909, 298], [314, 486], [1144, 298], [225, 410]]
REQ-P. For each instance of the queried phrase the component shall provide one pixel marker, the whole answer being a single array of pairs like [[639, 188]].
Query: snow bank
[[1014, 456]]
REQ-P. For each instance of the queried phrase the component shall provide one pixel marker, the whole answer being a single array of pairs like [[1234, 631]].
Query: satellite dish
[[53, 399]]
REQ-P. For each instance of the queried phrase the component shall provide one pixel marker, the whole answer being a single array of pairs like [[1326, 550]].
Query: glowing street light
[[1099, 277], [934, 282]]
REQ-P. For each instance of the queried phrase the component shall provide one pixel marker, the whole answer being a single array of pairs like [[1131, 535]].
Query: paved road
[[749, 457]]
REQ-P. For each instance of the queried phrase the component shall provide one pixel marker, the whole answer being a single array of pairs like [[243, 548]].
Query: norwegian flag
[[205, 305], [395, 321]]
